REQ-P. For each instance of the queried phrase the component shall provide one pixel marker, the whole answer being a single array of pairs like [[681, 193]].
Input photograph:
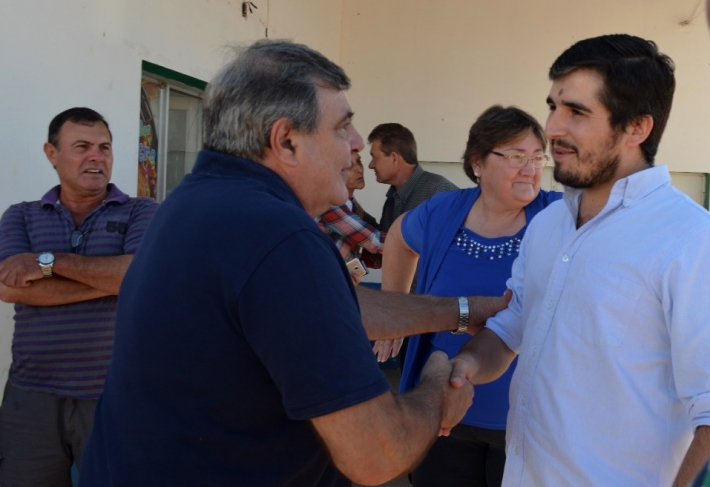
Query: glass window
[[170, 129]]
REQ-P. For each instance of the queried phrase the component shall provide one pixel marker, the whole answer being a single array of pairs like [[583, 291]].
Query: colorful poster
[[147, 148]]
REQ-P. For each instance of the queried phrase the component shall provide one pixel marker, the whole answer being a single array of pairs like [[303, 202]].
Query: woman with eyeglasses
[[465, 242]]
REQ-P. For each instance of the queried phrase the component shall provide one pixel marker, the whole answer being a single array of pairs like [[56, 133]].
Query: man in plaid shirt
[[351, 228], [350, 233]]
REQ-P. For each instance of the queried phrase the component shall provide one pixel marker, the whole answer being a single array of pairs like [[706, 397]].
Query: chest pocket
[[116, 227], [605, 304]]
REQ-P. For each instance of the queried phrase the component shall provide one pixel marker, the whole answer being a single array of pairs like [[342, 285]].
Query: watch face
[[45, 258]]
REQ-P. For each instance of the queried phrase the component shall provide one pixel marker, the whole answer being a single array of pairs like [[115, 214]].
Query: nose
[[554, 127], [96, 154], [528, 169], [356, 142]]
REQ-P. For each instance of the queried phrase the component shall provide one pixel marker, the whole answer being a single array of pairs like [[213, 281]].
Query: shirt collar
[[224, 166], [626, 191], [409, 184], [115, 195]]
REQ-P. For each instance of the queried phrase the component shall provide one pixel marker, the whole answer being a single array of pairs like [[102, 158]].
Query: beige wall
[[435, 66]]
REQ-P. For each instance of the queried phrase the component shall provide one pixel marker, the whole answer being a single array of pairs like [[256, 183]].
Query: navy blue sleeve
[[300, 315]]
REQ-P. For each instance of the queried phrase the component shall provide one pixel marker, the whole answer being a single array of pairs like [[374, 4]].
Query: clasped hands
[[453, 377]]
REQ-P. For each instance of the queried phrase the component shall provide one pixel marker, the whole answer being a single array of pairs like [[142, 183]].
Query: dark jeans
[[40, 437], [469, 457]]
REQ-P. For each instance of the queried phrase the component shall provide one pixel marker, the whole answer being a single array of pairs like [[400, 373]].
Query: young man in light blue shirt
[[613, 379]]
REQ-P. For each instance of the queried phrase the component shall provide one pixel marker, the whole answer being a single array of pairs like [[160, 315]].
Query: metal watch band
[[463, 316], [46, 270]]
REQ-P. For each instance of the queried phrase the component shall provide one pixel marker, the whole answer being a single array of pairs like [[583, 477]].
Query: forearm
[[54, 291], [102, 273], [696, 456], [413, 425], [394, 315], [375, 441], [486, 356], [390, 438]]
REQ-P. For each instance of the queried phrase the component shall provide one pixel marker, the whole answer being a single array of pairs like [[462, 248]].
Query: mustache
[[563, 144]]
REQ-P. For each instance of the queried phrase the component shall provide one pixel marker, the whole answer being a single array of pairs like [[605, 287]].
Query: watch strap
[[463, 316], [46, 268]]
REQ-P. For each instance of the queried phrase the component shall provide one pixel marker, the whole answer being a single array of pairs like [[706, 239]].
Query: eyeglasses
[[77, 237], [518, 159]]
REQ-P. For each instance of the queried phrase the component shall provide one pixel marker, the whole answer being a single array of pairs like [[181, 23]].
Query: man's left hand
[[20, 270], [483, 307]]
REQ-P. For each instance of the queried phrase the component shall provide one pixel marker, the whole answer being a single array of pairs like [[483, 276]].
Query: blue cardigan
[[442, 217]]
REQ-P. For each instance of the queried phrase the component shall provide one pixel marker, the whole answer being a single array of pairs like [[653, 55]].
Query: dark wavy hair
[[638, 80], [395, 137], [497, 126], [80, 115]]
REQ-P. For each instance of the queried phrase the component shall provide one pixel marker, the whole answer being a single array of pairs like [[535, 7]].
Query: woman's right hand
[[384, 349]]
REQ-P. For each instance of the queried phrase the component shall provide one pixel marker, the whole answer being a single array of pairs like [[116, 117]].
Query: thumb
[[461, 372], [502, 301]]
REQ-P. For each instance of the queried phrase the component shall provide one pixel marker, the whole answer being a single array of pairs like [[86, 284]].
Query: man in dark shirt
[[240, 352]]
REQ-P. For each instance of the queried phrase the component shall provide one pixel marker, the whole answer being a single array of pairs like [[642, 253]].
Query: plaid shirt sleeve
[[355, 232]]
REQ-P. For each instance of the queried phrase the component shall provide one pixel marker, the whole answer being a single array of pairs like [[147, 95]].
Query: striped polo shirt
[[65, 350]]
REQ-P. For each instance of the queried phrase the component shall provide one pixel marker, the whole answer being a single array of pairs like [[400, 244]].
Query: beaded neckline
[[481, 251]]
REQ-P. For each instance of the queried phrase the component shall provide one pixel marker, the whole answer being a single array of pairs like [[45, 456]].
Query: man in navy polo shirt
[[241, 358], [62, 260]]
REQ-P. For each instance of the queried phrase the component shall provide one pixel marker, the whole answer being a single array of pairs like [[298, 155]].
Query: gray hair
[[266, 81]]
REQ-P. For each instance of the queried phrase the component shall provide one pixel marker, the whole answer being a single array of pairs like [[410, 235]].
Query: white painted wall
[[435, 66], [431, 65], [59, 54]]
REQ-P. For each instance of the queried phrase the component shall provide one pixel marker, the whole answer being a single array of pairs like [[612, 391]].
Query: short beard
[[604, 169]]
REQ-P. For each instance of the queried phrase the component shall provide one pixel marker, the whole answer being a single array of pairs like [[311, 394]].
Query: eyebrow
[[571, 104], [81, 141], [520, 149], [87, 142], [348, 116]]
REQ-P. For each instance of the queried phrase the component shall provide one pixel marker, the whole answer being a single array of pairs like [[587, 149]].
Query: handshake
[[448, 382]]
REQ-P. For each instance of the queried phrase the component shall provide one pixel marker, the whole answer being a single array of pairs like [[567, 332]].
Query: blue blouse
[[455, 261]]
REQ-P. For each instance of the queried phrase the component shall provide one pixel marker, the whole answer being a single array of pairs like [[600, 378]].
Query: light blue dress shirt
[[612, 325]]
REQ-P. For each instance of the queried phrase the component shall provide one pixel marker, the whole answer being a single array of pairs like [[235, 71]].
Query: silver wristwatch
[[46, 261], [463, 316]]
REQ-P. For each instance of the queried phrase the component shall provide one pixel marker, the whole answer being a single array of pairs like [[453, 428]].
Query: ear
[[476, 166], [51, 152], [397, 158], [638, 130], [283, 143]]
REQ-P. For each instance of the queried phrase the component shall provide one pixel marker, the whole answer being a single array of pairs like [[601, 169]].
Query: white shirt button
[[565, 259], [549, 304]]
